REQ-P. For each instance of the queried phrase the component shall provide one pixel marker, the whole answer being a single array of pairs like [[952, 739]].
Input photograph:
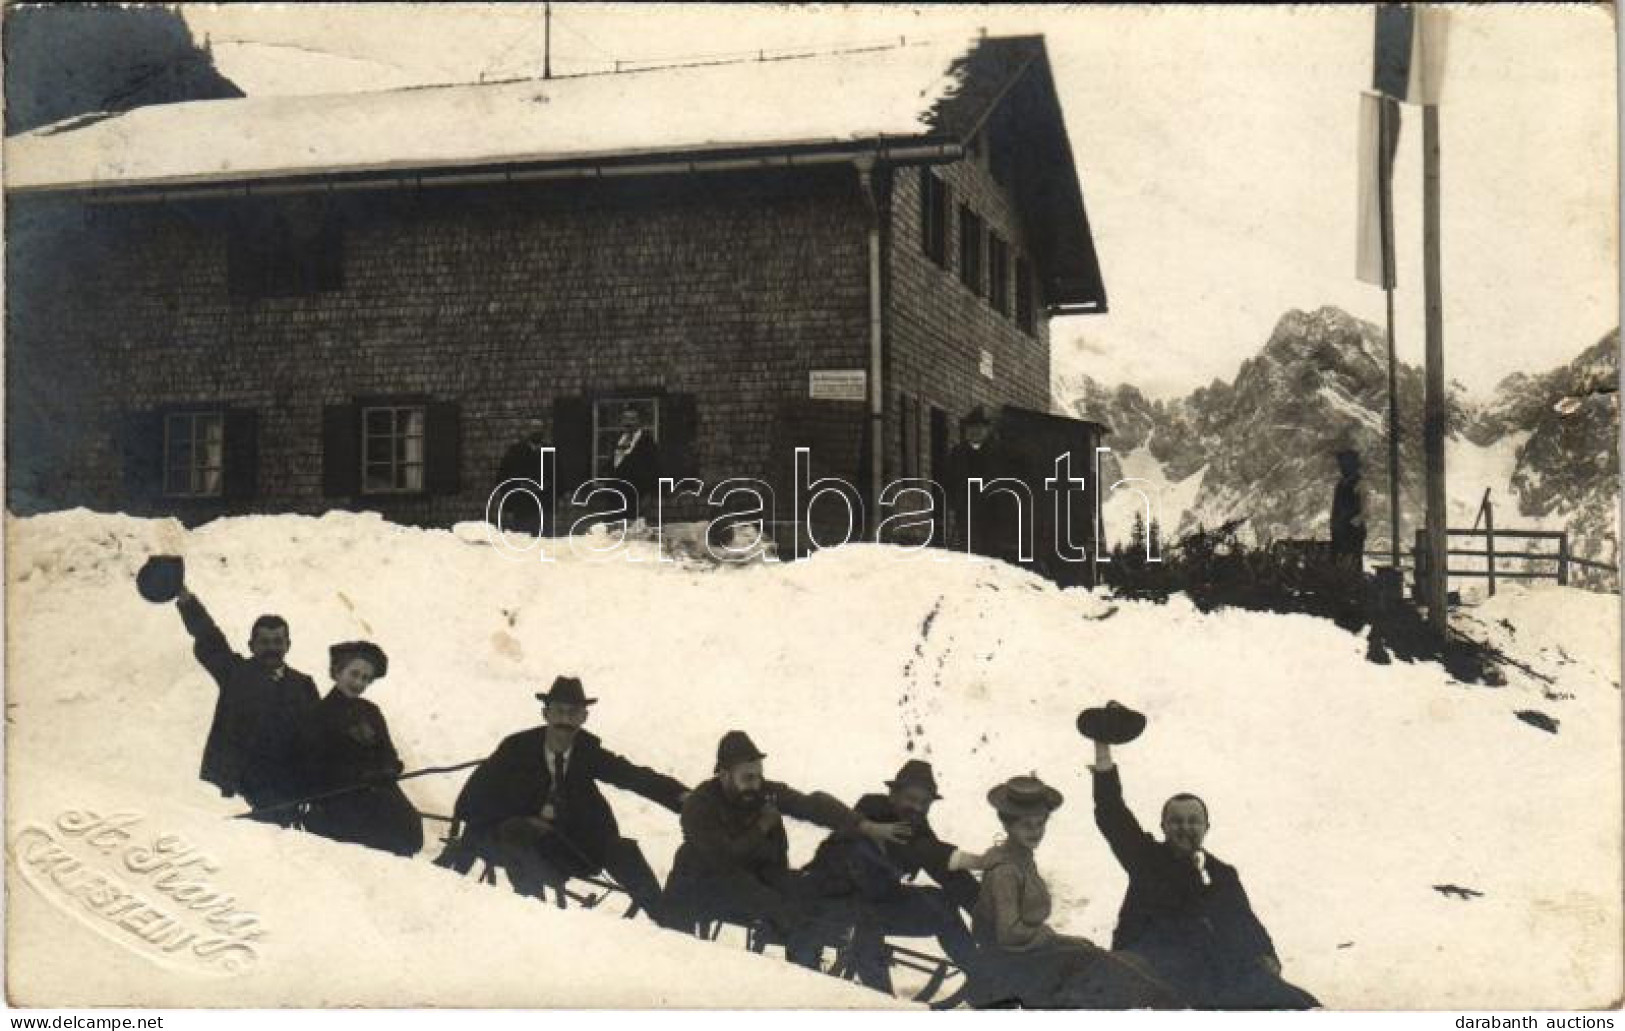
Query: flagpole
[[1433, 421], [1385, 187]]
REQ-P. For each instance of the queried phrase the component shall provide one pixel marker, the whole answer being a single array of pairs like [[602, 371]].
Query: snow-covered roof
[[912, 102], [834, 98]]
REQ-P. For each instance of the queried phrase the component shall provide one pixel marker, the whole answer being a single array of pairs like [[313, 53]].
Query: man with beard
[[250, 747], [1185, 913], [535, 806], [734, 861], [870, 875]]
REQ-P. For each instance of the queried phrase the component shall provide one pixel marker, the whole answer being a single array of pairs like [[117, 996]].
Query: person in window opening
[[345, 753], [535, 805], [522, 511], [1348, 512], [636, 460], [249, 750], [1025, 962], [1185, 913], [987, 521]]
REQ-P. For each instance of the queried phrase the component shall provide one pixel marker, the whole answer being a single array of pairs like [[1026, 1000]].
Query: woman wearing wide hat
[[347, 755], [1026, 962]]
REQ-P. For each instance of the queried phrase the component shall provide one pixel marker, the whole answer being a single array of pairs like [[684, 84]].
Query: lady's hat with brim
[[340, 655], [915, 773], [161, 578], [1111, 724], [1025, 796], [565, 691]]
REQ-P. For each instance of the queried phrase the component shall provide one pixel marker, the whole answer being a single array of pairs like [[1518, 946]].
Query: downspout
[[877, 396]]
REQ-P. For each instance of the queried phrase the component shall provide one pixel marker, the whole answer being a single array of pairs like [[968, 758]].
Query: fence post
[[1489, 539], [1419, 563], [1563, 560]]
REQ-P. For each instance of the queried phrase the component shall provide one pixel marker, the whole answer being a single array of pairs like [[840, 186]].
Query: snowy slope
[[1343, 791]]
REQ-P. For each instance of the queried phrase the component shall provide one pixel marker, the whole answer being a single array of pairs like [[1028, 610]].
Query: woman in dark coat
[[344, 743]]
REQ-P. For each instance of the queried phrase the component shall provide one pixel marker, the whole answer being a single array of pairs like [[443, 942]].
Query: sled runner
[[459, 856]]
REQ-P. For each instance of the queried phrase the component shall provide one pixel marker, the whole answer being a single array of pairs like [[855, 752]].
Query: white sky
[[1216, 147]]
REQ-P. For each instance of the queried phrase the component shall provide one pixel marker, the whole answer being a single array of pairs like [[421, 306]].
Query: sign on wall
[[987, 363], [838, 384]]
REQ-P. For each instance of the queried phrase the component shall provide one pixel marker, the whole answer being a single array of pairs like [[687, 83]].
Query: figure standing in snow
[[636, 460], [1348, 512], [1024, 961], [988, 520], [344, 744], [1185, 913], [523, 461], [734, 861], [535, 806], [869, 875], [249, 748]]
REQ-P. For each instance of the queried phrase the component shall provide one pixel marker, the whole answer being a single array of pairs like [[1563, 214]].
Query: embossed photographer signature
[[152, 894]]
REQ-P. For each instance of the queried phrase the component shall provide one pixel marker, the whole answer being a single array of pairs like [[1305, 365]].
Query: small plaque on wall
[[838, 384]]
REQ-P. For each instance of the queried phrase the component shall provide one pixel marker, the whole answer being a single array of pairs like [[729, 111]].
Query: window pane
[[380, 422]]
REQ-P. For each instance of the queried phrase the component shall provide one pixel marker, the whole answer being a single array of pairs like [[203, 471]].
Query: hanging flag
[[1408, 63], [1379, 140]]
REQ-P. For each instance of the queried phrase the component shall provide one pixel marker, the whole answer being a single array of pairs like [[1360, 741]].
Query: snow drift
[[1346, 793]]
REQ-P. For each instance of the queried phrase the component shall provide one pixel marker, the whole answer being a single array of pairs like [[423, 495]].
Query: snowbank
[[1343, 791]]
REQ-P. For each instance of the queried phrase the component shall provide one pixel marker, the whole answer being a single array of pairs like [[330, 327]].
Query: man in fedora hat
[[535, 806], [734, 861], [1185, 913], [987, 519], [250, 747], [869, 875]]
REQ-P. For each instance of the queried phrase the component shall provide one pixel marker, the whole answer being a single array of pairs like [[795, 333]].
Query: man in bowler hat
[[250, 748], [1185, 913], [871, 875], [734, 861], [535, 806], [988, 520]]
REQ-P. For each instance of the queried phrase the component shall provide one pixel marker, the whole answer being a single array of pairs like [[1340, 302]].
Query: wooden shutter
[[341, 451], [242, 458], [141, 448], [443, 447], [572, 439], [679, 425]]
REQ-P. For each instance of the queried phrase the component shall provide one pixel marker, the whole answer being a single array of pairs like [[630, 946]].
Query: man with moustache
[[535, 807], [1185, 913], [250, 748], [871, 875], [734, 861]]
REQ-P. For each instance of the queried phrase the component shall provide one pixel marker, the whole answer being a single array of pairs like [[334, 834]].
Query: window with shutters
[[608, 427], [934, 216], [970, 249], [194, 454], [392, 448], [1026, 302], [998, 273]]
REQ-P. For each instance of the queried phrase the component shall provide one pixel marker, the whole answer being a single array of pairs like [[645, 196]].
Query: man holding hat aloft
[[870, 875], [249, 748], [734, 861], [1185, 912], [535, 806]]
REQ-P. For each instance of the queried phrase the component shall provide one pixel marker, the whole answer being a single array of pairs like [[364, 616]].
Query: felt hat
[[343, 652], [1025, 796], [976, 417], [915, 772], [736, 747], [566, 691], [1112, 723], [161, 578]]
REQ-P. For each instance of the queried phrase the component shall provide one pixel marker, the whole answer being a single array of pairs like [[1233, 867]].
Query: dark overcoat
[[344, 742], [848, 862], [515, 781], [250, 747]]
